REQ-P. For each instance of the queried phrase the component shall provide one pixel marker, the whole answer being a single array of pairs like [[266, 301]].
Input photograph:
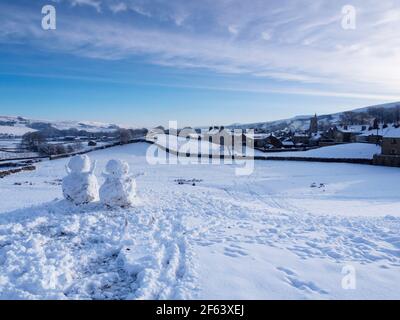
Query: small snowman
[[80, 186], [119, 188]]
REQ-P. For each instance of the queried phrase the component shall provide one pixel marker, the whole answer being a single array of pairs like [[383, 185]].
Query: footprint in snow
[[293, 280], [234, 251], [287, 271]]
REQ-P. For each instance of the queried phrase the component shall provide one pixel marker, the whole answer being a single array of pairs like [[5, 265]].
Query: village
[[317, 135], [199, 151], [379, 127]]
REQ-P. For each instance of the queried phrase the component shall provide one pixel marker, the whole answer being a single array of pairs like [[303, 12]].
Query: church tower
[[313, 125]]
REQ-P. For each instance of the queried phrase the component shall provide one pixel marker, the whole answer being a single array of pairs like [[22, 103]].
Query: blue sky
[[200, 62]]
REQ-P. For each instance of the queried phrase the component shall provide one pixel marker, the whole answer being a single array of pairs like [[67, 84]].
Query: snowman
[[80, 185], [119, 188]]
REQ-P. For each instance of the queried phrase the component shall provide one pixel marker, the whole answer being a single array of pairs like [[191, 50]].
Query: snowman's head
[[117, 168], [80, 163]]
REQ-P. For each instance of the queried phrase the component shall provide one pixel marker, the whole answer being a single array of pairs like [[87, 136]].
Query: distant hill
[[19, 125], [384, 112]]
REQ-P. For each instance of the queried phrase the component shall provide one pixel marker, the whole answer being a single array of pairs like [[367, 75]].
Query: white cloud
[[389, 17], [118, 7], [233, 29], [92, 3], [266, 36], [308, 46]]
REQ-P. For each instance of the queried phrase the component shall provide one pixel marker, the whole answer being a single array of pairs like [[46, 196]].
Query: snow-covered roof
[[259, 135], [352, 128], [371, 133], [302, 135], [392, 132]]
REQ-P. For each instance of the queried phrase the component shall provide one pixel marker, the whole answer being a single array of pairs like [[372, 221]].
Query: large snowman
[[119, 188], [80, 186]]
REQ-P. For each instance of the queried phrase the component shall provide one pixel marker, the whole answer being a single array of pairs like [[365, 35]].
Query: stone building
[[390, 155], [267, 142]]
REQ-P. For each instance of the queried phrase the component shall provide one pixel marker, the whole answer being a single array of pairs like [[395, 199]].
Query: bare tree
[[125, 136], [32, 141]]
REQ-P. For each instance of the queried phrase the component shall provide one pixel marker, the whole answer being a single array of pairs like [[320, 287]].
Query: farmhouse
[[264, 141], [300, 139], [390, 155], [346, 134], [370, 135]]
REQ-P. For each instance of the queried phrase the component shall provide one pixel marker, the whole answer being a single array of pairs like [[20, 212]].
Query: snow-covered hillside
[[384, 106], [302, 123], [284, 232], [18, 126], [89, 126], [15, 130]]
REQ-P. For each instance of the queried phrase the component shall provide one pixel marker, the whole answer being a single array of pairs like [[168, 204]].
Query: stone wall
[[387, 160]]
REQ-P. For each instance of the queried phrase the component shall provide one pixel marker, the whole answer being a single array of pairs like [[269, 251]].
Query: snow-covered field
[[15, 155], [343, 151], [284, 232]]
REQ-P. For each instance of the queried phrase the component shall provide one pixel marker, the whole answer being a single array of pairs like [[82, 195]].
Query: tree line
[[39, 141]]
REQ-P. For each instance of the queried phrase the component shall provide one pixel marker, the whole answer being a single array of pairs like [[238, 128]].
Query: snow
[[284, 232], [15, 130], [80, 186], [392, 132], [388, 132], [195, 146], [21, 125], [17, 155], [89, 126], [204, 147], [119, 189], [80, 163], [302, 123], [10, 143], [356, 129], [385, 106], [342, 151]]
